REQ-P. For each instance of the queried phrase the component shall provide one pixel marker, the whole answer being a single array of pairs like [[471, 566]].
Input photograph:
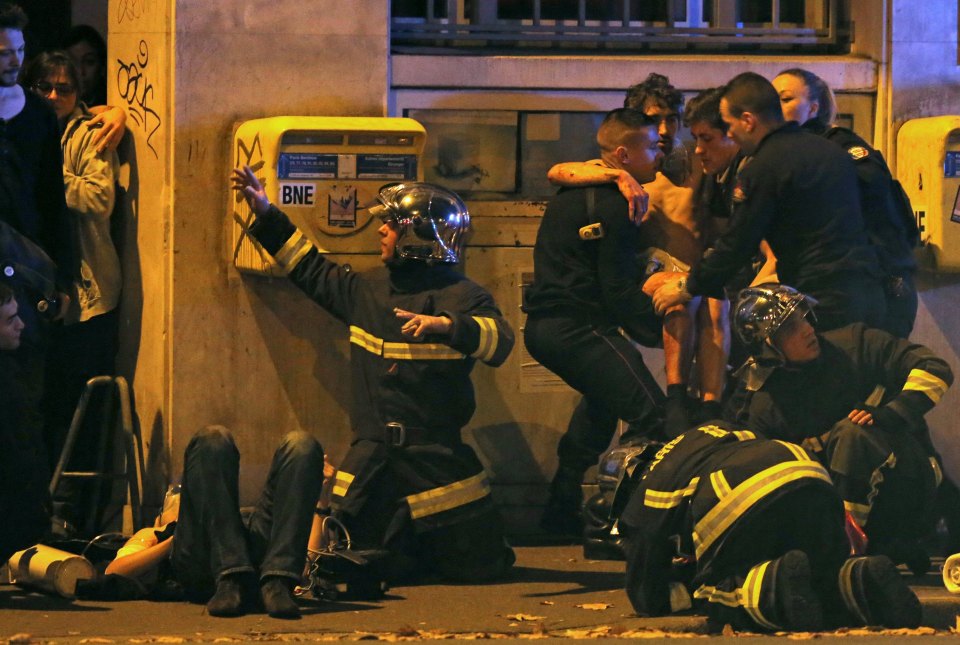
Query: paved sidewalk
[[553, 591]]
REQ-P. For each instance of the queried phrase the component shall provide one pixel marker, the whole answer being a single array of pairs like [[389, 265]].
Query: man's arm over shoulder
[[479, 329], [595, 173]]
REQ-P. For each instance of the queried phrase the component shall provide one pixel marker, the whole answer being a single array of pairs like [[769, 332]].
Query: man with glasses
[[855, 397]]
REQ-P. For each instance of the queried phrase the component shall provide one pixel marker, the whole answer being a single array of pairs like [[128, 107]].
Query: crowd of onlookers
[[58, 179]]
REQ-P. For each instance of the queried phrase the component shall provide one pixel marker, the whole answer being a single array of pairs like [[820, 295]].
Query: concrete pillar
[[202, 344]]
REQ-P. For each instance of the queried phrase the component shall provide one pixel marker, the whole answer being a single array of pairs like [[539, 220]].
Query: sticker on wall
[[347, 167], [342, 206], [951, 164], [295, 193]]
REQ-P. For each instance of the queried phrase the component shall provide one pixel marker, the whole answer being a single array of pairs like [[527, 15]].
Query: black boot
[[562, 515], [227, 600], [797, 607], [599, 540], [277, 595], [875, 593]]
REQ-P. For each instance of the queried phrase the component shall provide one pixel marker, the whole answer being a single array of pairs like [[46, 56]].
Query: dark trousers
[[902, 304], [886, 479], [77, 353], [609, 371], [463, 541], [211, 538], [846, 299], [808, 518]]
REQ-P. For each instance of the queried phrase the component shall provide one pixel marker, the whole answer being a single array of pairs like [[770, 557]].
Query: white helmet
[[432, 221]]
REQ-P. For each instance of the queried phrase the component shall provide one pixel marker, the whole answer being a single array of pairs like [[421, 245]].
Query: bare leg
[[713, 347], [678, 342]]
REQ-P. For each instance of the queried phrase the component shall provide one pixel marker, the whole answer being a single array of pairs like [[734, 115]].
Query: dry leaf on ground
[[523, 617], [596, 606]]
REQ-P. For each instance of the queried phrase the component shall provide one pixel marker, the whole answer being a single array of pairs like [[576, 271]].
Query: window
[[618, 25], [503, 154]]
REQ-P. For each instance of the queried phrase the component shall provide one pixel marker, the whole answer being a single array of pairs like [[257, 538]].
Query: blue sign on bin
[[951, 164], [307, 165], [374, 166]]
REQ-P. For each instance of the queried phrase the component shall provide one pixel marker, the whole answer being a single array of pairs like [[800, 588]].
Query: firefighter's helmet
[[432, 222], [762, 309]]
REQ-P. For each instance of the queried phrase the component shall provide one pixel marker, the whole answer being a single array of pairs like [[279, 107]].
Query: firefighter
[[755, 529], [857, 397], [408, 484]]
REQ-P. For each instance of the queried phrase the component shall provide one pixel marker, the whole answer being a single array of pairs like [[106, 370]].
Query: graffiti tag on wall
[[131, 10], [136, 89]]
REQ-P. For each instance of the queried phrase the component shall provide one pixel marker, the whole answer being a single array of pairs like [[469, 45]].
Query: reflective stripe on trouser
[[847, 588], [449, 497], [753, 593]]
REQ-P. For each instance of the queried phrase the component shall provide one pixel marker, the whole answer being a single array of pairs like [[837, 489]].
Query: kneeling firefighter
[[408, 485], [753, 530]]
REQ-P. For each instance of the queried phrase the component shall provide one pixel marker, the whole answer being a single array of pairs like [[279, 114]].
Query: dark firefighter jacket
[[425, 386], [800, 193], [691, 498], [856, 364]]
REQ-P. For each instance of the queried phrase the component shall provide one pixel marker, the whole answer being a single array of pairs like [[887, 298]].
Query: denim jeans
[[211, 538]]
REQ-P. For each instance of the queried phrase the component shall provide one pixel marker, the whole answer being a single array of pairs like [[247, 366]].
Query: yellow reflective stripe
[[744, 435], [402, 351], [342, 483], [860, 512], [489, 336], [713, 431], [447, 497], [293, 251], [927, 383], [798, 453], [712, 594], [748, 493], [420, 352], [937, 473], [367, 341], [751, 596], [846, 589], [669, 499], [721, 487]]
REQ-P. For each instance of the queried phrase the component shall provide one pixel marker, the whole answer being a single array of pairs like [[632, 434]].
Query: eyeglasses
[[63, 89]]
